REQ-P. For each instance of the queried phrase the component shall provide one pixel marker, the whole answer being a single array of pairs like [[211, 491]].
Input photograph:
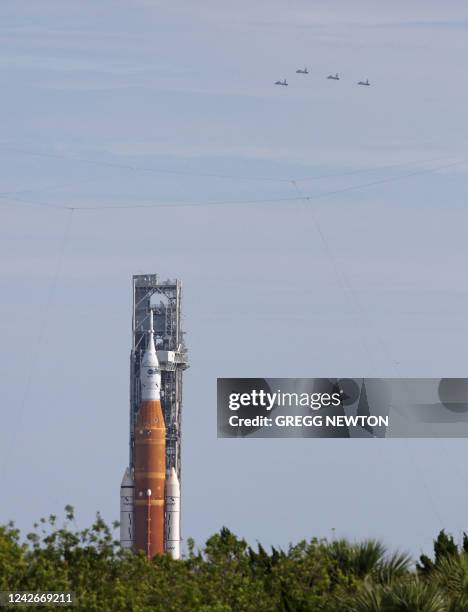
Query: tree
[[444, 546], [227, 574]]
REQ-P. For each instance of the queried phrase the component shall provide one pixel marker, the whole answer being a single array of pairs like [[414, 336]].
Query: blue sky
[[134, 104]]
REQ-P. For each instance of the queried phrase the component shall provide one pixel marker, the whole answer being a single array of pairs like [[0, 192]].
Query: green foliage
[[229, 575], [13, 564], [444, 546], [406, 596]]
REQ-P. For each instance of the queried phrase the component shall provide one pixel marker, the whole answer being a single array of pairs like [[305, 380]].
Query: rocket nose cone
[[127, 479], [150, 358], [173, 477]]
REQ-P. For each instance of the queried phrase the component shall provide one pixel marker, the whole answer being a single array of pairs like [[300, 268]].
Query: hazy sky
[[139, 103]]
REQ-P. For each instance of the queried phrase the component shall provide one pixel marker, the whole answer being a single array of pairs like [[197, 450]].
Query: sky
[[318, 230]]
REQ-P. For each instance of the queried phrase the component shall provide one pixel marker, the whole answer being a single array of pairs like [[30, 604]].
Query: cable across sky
[[12, 201]]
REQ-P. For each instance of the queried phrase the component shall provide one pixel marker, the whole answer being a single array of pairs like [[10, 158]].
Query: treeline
[[229, 575]]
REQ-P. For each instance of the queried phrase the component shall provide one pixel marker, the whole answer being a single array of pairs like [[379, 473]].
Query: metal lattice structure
[[164, 299]]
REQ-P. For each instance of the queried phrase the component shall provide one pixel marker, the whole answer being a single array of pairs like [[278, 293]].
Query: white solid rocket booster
[[126, 510], [172, 535]]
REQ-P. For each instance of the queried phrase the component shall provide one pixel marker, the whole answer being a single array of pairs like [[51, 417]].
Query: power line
[[375, 169], [240, 202], [143, 169], [388, 180], [55, 187]]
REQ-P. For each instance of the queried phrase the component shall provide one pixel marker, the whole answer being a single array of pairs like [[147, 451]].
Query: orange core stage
[[150, 476]]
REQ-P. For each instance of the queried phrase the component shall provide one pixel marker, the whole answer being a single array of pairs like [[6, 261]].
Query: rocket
[[172, 529], [150, 503], [150, 457]]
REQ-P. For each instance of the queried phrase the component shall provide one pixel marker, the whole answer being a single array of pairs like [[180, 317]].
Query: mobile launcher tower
[[150, 489]]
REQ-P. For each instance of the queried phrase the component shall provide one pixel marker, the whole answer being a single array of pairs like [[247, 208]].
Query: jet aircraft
[[284, 83], [334, 78]]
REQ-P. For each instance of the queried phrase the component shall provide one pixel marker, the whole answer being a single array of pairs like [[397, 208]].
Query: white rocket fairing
[[126, 510], [172, 518]]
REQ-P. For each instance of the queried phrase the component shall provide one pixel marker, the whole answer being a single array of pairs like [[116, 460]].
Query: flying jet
[[284, 83], [334, 78], [299, 71], [366, 82]]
